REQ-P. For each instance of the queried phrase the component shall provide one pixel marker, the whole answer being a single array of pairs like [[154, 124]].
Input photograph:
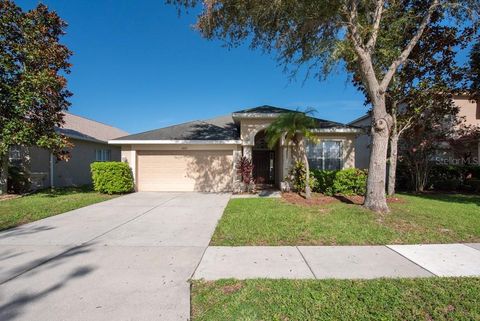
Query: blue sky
[[138, 66]]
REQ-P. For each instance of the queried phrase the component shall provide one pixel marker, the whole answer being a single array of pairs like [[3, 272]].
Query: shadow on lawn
[[450, 198]]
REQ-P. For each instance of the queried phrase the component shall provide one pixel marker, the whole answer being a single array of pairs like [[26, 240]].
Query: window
[[326, 155], [103, 155], [15, 153]]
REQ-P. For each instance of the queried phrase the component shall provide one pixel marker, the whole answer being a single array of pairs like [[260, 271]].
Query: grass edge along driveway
[[45, 203]]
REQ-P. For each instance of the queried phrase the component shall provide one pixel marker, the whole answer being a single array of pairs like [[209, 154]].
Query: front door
[[264, 166]]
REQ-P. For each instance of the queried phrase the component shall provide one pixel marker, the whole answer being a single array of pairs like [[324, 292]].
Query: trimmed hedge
[[351, 181], [112, 177]]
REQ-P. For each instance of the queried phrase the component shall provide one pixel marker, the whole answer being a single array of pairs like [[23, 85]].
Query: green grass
[[46, 203], [382, 299], [419, 219]]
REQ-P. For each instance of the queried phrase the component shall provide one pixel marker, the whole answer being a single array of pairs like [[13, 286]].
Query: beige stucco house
[[469, 111], [90, 143], [202, 155]]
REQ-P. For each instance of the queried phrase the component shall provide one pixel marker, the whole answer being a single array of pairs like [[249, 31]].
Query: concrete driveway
[[124, 259]]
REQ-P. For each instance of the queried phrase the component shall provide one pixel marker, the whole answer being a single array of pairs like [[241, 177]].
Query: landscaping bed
[[428, 218], [45, 203], [321, 199], [382, 299]]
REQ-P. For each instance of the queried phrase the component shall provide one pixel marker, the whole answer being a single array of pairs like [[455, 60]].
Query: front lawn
[[382, 299], [415, 219], [46, 203]]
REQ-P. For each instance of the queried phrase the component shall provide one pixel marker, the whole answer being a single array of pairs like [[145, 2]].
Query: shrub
[[245, 171], [324, 181], [18, 180], [112, 177], [351, 181], [453, 177], [297, 177]]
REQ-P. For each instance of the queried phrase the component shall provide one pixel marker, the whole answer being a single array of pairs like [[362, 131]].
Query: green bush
[[112, 177], [351, 181], [18, 180], [297, 177], [453, 177], [324, 181]]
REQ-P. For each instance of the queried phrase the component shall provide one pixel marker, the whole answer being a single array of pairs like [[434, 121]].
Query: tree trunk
[[3, 174], [392, 170], [375, 199], [308, 192]]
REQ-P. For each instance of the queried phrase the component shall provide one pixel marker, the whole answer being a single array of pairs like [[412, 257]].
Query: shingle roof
[[83, 128], [265, 109], [219, 128]]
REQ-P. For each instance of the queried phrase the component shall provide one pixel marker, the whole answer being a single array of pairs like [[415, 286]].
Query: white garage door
[[205, 171]]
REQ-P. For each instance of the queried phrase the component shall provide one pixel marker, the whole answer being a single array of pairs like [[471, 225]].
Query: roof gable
[[84, 128]]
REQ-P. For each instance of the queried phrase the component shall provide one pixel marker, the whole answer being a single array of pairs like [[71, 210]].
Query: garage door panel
[[209, 171]]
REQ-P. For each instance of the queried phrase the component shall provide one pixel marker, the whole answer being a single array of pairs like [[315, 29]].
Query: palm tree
[[295, 127]]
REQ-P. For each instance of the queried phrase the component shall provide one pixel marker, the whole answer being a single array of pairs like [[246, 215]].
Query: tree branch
[[353, 23], [407, 125], [408, 49], [376, 25]]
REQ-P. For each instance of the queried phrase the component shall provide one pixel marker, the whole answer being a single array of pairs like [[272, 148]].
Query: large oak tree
[[33, 92], [318, 32]]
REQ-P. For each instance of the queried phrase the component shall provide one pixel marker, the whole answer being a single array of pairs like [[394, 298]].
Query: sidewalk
[[340, 262]]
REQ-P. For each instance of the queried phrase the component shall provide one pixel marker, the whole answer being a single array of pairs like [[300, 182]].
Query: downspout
[[51, 171]]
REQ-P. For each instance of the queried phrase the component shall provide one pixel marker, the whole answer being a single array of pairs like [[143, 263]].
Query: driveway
[[124, 259]]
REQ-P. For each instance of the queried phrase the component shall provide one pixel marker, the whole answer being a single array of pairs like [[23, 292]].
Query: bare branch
[[407, 125], [408, 49], [376, 25]]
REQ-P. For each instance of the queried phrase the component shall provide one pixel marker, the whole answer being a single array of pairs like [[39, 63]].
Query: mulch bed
[[320, 199], [9, 197]]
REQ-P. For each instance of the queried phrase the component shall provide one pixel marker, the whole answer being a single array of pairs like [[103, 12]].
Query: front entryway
[[264, 166], [263, 160]]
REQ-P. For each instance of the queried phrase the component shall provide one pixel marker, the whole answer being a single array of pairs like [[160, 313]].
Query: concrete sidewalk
[[339, 262]]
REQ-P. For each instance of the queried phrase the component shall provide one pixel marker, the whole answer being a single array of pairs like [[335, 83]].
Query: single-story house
[[469, 111], [90, 143], [202, 155]]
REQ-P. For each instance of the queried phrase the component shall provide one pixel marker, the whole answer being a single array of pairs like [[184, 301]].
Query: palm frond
[[290, 125]]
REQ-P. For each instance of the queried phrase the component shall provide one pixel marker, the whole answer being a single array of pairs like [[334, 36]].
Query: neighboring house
[[90, 144], [202, 155], [469, 110]]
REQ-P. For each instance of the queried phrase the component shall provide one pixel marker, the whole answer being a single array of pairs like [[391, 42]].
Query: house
[[469, 110], [202, 155], [90, 144]]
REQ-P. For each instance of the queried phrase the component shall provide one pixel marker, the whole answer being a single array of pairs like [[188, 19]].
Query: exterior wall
[[469, 109], [250, 127], [362, 144], [74, 172], [39, 167]]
